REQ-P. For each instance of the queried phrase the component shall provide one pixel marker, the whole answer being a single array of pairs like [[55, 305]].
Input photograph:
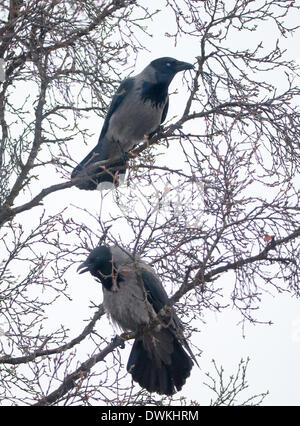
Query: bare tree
[[230, 203]]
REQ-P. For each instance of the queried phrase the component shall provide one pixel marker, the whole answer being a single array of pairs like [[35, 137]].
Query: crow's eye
[[168, 64]]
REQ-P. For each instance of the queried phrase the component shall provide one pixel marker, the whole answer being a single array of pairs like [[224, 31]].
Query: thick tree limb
[[86, 331]]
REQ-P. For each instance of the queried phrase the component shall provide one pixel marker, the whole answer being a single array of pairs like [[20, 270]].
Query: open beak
[[83, 268], [182, 66]]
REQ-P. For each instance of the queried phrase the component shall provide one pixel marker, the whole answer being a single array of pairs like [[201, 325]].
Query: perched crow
[[132, 295], [136, 112]]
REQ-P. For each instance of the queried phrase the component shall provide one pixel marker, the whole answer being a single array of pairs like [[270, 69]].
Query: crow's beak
[[182, 66], [84, 267]]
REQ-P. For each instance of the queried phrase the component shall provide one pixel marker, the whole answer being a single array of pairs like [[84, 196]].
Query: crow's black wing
[[117, 99], [158, 297], [156, 294], [100, 151]]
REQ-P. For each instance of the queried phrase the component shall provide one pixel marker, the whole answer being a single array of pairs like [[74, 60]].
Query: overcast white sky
[[274, 350]]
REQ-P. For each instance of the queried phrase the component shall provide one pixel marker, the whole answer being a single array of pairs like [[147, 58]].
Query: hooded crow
[[160, 359], [137, 109]]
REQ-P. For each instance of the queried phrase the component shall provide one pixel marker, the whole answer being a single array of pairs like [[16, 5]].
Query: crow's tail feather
[[92, 176], [159, 363]]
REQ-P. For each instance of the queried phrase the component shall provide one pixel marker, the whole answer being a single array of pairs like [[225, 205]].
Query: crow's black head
[[98, 263], [166, 68]]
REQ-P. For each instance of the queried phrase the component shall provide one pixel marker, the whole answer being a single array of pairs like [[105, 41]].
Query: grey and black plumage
[[160, 360], [137, 109]]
